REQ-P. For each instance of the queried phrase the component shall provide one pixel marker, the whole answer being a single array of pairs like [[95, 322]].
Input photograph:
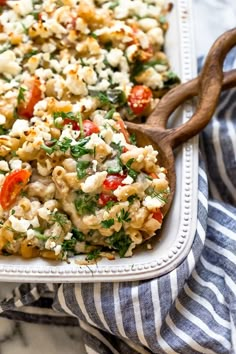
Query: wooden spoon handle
[[179, 94], [210, 83]]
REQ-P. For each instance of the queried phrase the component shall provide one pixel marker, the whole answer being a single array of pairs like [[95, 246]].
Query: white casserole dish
[[176, 237]]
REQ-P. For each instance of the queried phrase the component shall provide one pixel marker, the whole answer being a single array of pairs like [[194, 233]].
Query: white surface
[[180, 225]]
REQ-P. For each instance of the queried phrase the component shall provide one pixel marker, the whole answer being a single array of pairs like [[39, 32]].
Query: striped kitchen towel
[[190, 310]]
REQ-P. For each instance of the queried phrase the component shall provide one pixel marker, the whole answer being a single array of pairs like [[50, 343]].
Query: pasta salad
[[72, 179]]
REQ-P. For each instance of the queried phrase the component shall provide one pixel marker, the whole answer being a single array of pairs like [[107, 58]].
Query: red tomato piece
[[12, 187], [3, 2], [123, 130], [26, 109], [139, 98], [113, 181], [158, 215], [105, 198], [74, 124], [90, 127]]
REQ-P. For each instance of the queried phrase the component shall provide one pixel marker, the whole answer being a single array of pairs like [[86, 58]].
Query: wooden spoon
[[208, 87]]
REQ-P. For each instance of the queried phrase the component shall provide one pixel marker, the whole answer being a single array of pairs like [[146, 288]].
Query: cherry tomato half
[[90, 127], [12, 186], [26, 109], [139, 98], [105, 198], [74, 124], [158, 215], [113, 181]]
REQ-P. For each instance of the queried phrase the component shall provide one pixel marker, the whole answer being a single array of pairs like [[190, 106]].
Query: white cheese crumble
[[94, 182]]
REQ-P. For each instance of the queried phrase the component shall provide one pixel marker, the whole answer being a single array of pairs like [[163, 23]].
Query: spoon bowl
[[207, 86]]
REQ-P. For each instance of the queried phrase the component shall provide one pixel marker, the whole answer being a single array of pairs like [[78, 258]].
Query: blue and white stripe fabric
[[192, 309]]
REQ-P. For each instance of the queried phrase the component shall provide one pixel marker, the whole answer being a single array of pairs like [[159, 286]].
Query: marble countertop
[[28, 338]]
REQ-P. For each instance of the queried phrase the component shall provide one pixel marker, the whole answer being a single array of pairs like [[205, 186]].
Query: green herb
[[64, 145], [109, 114], [93, 255], [79, 149], [80, 119], [15, 115], [120, 242], [162, 19], [123, 216], [30, 54], [26, 30], [23, 193], [132, 139], [3, 172], [85, 203], [40, 236], [50, 147], [3, 131], [107, 223], [13, 153], [154, 194], [111, 97], [3, 77], [132, 198], [139, 67], [81, 168], [171, 79], [110, 204], [59, 218], [68, 245], [13, 211], [5, 48], [117, 147], [21, 95], [114, 4], [92, 34], [35, 14], [132, 173], [82, 62], [78, 235], [114, 166]]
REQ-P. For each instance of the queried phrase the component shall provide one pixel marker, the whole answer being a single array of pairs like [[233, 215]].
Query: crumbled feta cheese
[[19, 225], [8, 63], [57, 249], [114, 57], [30, 234], [19, 127], [4, 166], [94, 182], [152, 203], [68, 236], [128, 180], [15, 164], [2, 119]]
